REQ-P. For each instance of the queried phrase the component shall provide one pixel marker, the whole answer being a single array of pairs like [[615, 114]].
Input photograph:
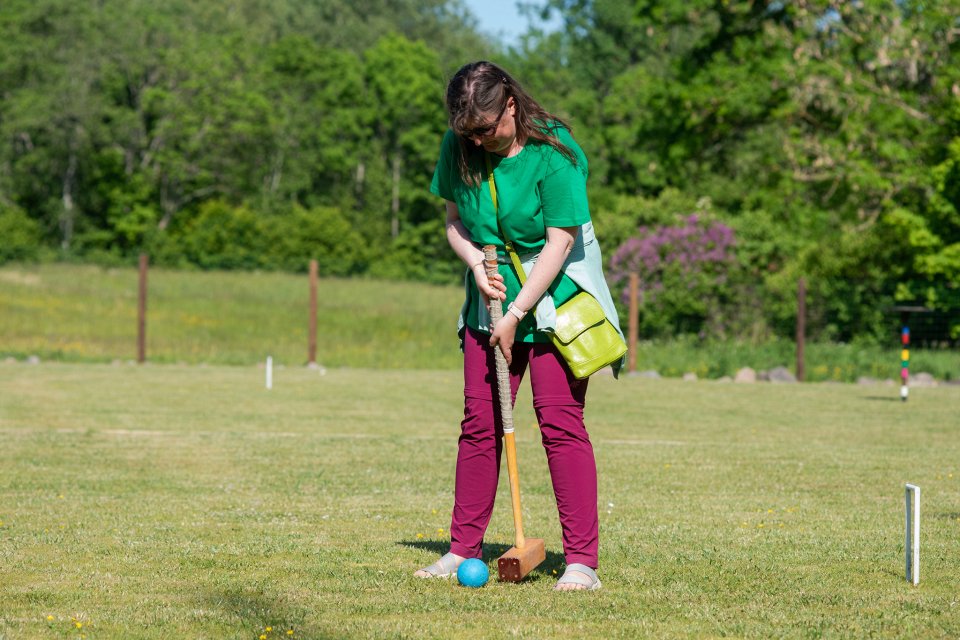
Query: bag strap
[[507, 244]]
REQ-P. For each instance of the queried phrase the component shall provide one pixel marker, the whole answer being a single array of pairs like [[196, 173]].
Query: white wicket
[[912, 544], [269, 372]]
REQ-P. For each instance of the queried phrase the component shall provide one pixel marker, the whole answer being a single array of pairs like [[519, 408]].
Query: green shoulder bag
[[586, 340]]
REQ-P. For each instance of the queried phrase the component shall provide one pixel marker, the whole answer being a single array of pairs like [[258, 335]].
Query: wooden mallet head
[[517, 562]]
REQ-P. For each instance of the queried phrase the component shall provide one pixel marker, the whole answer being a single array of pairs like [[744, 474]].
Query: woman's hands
[[489, 287], [504, 334], [494, 288]]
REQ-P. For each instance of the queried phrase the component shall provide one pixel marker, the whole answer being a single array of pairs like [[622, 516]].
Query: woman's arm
[[559, 244], [472, 255]]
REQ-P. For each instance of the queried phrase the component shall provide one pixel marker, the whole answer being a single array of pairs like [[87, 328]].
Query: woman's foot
[[578, 577], [445, 567]]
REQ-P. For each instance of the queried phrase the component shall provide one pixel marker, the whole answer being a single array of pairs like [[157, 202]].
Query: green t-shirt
[[537, 188]]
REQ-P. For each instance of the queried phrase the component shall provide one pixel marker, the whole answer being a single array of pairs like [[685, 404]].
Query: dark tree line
[[256, 134]]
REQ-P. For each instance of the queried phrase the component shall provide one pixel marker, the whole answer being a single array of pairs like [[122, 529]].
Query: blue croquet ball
[[473, 573]]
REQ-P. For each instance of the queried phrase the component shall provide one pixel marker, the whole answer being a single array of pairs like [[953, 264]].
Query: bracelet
[[515, 310]]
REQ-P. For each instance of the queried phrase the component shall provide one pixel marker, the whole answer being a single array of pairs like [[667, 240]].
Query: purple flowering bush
[[684, 272]]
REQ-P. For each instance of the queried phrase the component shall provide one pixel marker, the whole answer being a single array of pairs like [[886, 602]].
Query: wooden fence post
[[801, 326], [142, 311], [634, 323], [312, 340]]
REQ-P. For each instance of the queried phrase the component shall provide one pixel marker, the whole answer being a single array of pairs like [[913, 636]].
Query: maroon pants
[[558, 400]]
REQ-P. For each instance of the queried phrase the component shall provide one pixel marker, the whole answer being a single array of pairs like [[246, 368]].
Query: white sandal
[[579, 574], [445, 567]]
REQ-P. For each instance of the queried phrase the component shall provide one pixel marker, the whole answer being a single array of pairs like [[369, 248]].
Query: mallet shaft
[[506, 402]]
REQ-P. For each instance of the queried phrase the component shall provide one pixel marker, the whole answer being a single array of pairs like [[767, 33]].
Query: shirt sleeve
[[563, 191], [441, 185]]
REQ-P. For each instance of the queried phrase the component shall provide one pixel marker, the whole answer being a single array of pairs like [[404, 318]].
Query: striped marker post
[[904, 362]]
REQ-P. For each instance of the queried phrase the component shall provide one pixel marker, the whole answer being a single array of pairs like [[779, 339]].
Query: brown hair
[[482, 87]]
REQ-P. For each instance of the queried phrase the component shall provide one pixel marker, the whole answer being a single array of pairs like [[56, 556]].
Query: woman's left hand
[[504, 334]]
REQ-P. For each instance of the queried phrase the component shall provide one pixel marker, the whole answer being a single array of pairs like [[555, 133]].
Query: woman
[[540, 178]]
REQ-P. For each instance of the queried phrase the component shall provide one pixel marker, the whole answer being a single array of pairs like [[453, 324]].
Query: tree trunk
[[68, 215], [277, 173], [395, 203], [361, 173]]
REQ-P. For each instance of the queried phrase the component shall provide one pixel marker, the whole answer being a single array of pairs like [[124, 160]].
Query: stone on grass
[[746, 375], [922, 379], [690, 376], [33, 360], [781, 374]]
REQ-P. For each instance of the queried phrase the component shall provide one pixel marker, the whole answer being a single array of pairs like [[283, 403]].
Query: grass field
[[86, 313], [78, 313], [190, 502]]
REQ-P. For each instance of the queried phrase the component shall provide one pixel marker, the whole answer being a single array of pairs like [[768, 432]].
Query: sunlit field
[[165, 501]]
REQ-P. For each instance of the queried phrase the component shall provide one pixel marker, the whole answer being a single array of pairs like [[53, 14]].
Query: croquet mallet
[[526, 553]]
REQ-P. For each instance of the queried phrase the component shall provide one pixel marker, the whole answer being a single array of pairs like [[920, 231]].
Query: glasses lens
[[486, 130]]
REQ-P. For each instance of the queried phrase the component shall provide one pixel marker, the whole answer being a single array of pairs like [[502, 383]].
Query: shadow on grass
[[256, 610], [883, 398], [553, 563], [947, 515]]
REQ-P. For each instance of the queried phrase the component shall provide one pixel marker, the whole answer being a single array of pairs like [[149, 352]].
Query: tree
[[405, 84]]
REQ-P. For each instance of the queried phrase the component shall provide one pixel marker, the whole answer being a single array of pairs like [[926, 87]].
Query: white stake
[[269, 372], [912, 544]]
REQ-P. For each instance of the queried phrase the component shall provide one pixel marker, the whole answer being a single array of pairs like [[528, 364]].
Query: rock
[[322, 370], [922, 379], [10, 360], [690, 377], [33, 360], [746, 375], [653, 375], [781, 375], [866, 380]]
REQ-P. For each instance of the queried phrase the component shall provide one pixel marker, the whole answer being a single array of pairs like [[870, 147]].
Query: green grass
[[189, 502], [88, 314]]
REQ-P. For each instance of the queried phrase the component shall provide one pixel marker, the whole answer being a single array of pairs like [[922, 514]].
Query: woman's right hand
[[489, 287]]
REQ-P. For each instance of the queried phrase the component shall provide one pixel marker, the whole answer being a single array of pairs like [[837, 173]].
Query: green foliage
[[826, 135], [21, 235], [420, 253], [320, 234], [225, 237]]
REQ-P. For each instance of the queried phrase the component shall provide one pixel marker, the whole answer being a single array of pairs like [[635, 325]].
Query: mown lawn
[[190, 502]]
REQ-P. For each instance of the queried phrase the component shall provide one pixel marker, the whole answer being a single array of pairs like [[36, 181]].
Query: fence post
[[312, 339], [634, 323], [142, 311], [801, 326]]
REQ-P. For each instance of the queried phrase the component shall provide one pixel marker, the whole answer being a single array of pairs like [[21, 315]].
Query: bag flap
[[577, 315]]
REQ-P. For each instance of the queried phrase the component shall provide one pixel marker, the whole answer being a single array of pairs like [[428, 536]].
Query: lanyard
[[508, 245]]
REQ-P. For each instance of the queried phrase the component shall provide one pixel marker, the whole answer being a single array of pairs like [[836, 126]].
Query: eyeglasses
[[486, 130]]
